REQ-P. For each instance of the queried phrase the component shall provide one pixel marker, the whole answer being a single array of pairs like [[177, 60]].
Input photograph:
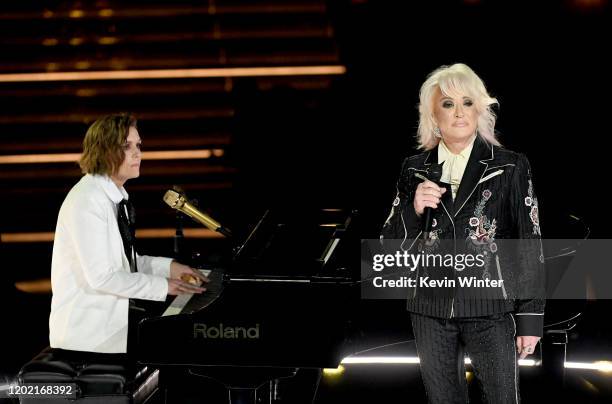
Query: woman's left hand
[[525, 345], [184, 272]]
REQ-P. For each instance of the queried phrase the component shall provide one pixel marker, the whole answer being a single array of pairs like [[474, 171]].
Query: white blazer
[[90, 273]]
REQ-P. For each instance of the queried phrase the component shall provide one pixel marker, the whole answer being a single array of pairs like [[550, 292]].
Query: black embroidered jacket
[[495, 201]]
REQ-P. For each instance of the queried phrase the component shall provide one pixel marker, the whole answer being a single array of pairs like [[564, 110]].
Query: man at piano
[[95, 271]]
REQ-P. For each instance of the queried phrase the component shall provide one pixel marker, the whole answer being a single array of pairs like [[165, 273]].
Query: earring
[[437, 132]]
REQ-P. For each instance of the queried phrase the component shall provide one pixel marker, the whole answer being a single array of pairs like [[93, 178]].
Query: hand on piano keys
[[179, 287], [183, 303], [187, 274], [191, 279]]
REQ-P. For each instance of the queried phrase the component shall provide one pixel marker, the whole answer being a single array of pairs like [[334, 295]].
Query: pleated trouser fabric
[[489, 341]]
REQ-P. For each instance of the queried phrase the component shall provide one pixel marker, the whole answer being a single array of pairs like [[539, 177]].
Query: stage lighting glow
[[74, 157], [108, 40], [602, 366], [45, 237], [76, 14], [50, 41], [333, 371], [75, 41], [171, 73], [363, 360], [381, 360]]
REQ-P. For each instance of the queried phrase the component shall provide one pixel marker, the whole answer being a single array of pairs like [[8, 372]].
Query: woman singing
[[485, 194]]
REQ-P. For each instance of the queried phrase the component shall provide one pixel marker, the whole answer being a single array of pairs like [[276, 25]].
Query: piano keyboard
[[189, 302]]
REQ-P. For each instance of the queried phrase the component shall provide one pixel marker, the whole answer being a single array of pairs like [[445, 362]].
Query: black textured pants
[[490, 343]]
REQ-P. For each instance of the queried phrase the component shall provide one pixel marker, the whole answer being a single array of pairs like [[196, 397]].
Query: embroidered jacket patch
[[532, 202]]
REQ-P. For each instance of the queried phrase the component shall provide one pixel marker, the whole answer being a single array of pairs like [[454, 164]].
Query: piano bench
[[96, 383]]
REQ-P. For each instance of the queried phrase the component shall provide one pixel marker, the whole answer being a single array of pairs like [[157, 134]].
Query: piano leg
[[274, 396], [553, 361], [243, 396], [267, 393], [239, 385]]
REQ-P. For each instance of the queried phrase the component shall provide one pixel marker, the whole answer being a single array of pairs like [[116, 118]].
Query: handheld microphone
[[179, 202], [434, 173]]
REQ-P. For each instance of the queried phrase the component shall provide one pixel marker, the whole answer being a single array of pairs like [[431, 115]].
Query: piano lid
[[294, 244]]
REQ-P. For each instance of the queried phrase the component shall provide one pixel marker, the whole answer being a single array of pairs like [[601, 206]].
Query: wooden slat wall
[[174, 114]]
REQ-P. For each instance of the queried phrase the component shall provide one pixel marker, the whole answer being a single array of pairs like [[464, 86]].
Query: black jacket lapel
[[447, 200], [432, 157], [476, 166]]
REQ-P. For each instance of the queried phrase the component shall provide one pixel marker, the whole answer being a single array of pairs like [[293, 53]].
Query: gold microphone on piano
[[180, 203]]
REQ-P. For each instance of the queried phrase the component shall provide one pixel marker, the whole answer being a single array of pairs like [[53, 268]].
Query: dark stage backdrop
[[340, 145]]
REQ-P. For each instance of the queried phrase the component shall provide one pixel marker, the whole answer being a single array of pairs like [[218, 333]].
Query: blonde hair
[[452, 80]]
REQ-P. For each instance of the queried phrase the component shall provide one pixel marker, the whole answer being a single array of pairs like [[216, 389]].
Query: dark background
[[293, 141]]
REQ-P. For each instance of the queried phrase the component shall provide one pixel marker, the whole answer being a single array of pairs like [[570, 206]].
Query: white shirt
[[90, 273], [454, 165]]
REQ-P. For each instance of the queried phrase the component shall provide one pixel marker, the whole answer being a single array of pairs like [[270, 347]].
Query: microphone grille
[[174, 199]]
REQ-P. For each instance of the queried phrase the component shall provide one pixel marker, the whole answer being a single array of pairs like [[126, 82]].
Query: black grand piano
[[284, 303], [290, 299]]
